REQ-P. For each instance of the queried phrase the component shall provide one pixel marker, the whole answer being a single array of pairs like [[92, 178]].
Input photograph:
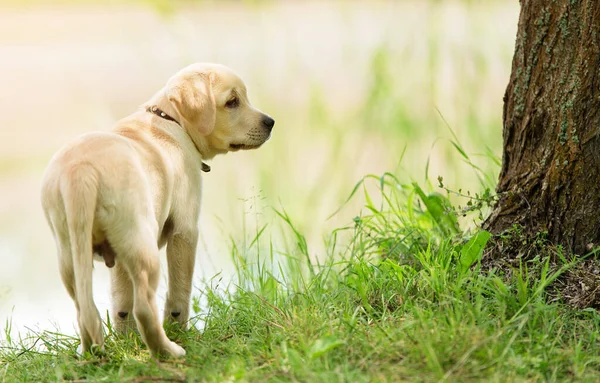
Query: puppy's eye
[[232, 103]]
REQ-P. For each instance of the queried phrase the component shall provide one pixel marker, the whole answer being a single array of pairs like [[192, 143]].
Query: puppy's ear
[[193, 98]]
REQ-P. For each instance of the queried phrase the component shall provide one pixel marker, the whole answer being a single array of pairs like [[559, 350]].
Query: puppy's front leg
[[181, 257]]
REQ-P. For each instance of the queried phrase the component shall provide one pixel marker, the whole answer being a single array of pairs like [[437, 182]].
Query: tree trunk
[[550, 177]]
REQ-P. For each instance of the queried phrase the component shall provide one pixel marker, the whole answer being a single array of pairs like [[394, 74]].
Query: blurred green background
[[351, 84]]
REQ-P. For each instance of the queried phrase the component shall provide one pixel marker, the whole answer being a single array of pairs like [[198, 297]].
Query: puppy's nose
[[268, 122]]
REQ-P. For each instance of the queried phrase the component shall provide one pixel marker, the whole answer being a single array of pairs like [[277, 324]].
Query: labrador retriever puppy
[[120, 196]]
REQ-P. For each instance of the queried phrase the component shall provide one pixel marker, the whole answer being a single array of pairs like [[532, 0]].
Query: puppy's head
[[213, 106]]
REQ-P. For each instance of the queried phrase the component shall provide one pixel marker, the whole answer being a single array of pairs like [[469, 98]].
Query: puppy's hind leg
[[141, 259], [67, 272]]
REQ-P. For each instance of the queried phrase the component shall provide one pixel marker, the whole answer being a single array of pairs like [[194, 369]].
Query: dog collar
[[160, 113], [156, 110]]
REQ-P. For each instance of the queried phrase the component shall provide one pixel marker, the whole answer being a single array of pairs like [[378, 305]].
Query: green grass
[[393, 300]]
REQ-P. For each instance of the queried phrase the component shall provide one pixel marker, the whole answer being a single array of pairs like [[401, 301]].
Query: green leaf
[[323, 345], [440, 209], [460, 150], [472, 250], [368, 200]]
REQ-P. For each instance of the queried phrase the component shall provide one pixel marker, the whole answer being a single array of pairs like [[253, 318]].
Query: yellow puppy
[[124, 194]]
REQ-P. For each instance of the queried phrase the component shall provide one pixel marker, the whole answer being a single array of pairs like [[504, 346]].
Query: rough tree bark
[[550, 177]]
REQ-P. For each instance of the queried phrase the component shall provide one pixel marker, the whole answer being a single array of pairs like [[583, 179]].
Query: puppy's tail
[[79, 189]]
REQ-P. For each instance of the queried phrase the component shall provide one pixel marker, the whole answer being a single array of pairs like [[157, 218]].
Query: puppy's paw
[[175, 351], [94, 350]]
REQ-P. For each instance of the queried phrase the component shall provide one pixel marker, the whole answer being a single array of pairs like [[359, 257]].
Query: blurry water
[[66, 70]]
